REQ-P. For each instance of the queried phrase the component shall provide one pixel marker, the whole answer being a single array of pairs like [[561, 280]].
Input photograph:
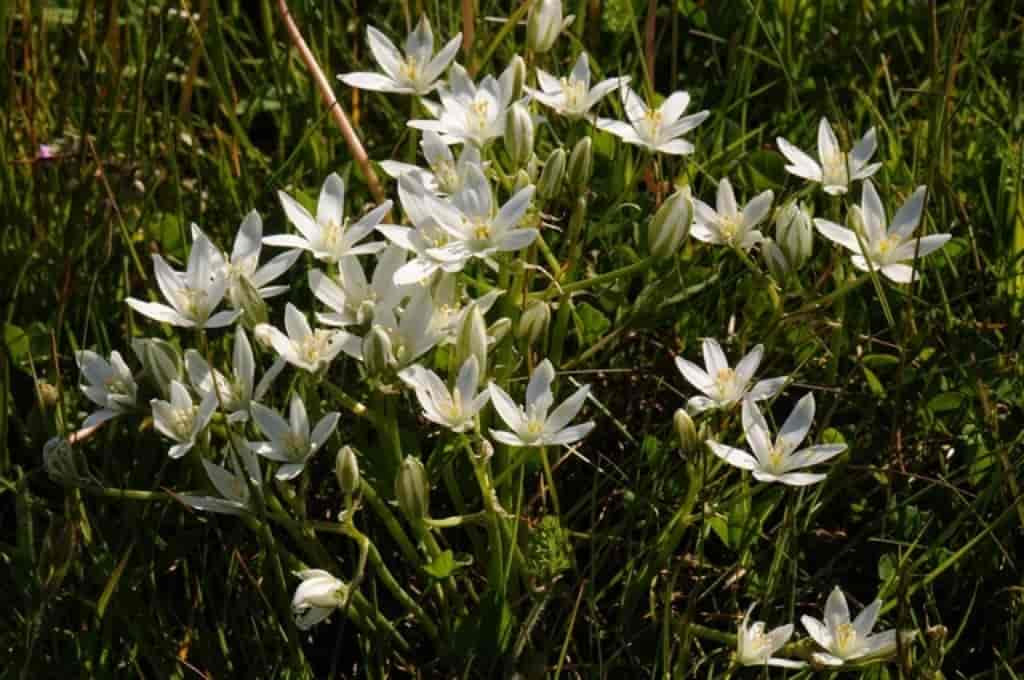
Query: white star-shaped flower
[[726, 224], [303, 347], [110, 385], [657, 129], [471, 114], [836, 169], [455, 409], [722, 385], [180, 419], [755, 646], [415, 72], [290, 441], [532, 424], [844, 640], [887, 249], [573, 97], [446, 175]]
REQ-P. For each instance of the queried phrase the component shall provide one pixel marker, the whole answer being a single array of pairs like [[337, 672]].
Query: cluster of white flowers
[[417, 296]]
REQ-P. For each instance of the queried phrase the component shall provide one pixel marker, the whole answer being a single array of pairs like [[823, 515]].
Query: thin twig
[[333, 105]]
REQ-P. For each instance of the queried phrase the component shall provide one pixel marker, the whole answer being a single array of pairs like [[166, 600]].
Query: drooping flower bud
[[543, 25], [471, 340], [686, 431], [581, 165], [412, 489], [161, 361], [794, 234], [534, 321], [519, 134], [346, 469], [670, 224], [378, 353], [550, 183]]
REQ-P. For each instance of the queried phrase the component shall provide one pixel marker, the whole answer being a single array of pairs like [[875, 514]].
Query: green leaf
[[444, 565]]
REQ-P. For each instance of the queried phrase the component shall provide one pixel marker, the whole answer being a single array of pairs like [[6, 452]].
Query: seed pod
[[346, 469], [550, 183], [519, 134], [670, 224], [412, 489], [581, 165]]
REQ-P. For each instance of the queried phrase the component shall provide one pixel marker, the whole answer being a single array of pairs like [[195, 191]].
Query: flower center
[[650, 126], [195, 303], [411, 69], [887, 245], [847, 641], [758, 646], [447, 176], [479, 117], [726, 380], [730, 225], [295, 445], [312, 346], [575, 94], [331, 235], [776, 459], [835, 171], [184, 421]]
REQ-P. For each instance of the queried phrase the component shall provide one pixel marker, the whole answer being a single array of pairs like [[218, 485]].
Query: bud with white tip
[[518, 66], [794, 233], [534, 321], [378, 353], [550, 183], [778, 264], [161, 361], [519, 134], [581, 165], [543, 25], [346, 469], [412, 489], [471, 341], [670, 224], [686, 431]]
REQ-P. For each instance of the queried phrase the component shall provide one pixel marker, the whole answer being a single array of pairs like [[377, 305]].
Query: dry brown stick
[[333, 105]]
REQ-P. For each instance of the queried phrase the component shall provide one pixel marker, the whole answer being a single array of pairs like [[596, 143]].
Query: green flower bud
[[775, 258], [253, 306], [161, 362], [378, 353], [686, 431], [550, 183], [471, 340], [543, 25], [498, 330], [412, 489], [794, 234], [534, 321], [519, 134], [518, 66], [346, 469], [581, 165], [670, 224], [522, 181]]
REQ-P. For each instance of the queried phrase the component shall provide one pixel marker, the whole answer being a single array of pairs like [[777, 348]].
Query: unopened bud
[[161, 362], [550, 183], [263, 332], [534, 321], [581, 165], [471, 340], [498, 330], [533, 169], [245, 296], [519, 134], [518, 69], [346, 469], [543, 25], [670, 224], [775, 258], [378, 352], [686, 431], [522, 181], [412, 489], [794, 234]]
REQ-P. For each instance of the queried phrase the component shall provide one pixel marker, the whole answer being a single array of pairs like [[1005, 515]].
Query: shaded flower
[[233, 394], [415, 72], [231, 484], [244, 263], [110, 385], [778, 460], [303, 347], [726, 224], [836, 169], [290, 442], [180, 419], [352, 299], [722, 385], [657, 129], [886, 249], [754, 646], [317, 596], [531, 424]]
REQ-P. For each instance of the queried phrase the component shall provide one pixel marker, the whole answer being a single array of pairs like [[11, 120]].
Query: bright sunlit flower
[[446, 175], [724, 386], [455, 409], [180, 419], [837, 169], [778, 460], [290, 442], [329, 237], [887, 250], [352, 299], [234, 394], [754, 646], [110, 385], [531, 424], [317, 596], [192, 294], [415, 72], [245, 263], [302, 347], [409, 333], [726, 224], [657, 129], [845, 641], [471, 114], [573, 96]]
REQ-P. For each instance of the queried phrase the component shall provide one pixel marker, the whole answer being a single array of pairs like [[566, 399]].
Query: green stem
[[628, 270]]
